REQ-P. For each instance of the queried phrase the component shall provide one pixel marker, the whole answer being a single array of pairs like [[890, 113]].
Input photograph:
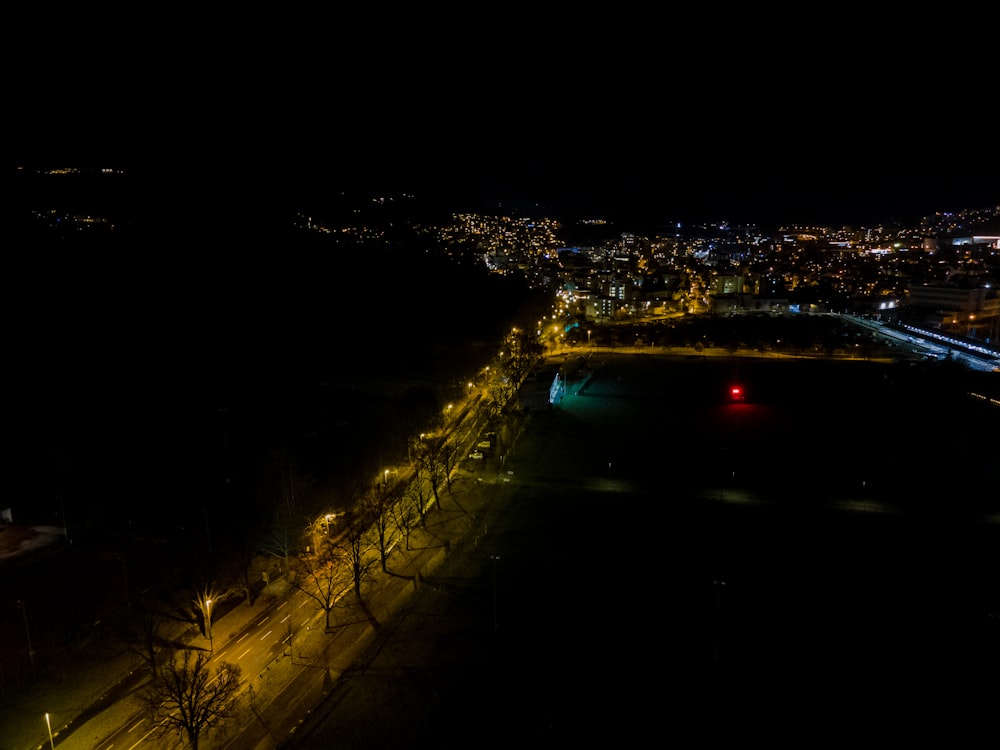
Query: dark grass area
[[635, 603]]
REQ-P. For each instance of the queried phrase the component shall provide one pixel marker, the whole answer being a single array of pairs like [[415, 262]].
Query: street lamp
[[208, 623], [48, 723], [385, 481], [27, 633]]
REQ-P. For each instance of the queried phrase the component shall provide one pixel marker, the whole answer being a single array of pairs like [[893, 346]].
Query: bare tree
[[322, 576], [501, 391], [283, 485], [448, 460], [188, 699], [140, 630], [357, 547], [242, 553], [422, 460], [436, 475], [434, 459], [416, 491], [407, 513], [376, 507], [283, 538], [283, 491]]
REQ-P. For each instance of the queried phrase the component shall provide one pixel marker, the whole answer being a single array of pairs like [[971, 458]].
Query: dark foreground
[[661, 565]]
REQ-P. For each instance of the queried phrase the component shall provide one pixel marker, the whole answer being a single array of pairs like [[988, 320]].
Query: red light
[[736, 392]]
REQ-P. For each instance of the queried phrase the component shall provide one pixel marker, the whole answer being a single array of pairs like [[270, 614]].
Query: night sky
[[740, 115]]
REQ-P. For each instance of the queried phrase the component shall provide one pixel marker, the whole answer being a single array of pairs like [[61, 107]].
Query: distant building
[[986, 240], [727, 284]]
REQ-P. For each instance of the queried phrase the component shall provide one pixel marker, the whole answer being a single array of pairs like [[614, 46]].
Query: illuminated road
[[986, 360]]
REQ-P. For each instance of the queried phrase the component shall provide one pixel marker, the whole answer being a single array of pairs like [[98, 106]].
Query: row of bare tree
[[334, 560]]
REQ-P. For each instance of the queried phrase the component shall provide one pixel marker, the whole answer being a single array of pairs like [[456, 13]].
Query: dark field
[[818, 563]]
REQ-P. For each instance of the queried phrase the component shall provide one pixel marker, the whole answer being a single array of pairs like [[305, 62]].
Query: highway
[[984, 357]]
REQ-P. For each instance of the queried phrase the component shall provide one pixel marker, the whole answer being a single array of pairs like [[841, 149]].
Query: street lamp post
[[27, 633], [208, 624], [48, 723]]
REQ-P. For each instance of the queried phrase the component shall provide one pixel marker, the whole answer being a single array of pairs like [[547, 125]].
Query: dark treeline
[[168, 349]]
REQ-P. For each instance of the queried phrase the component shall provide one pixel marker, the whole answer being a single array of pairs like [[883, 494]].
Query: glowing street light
[[208, 623], [48, 723]]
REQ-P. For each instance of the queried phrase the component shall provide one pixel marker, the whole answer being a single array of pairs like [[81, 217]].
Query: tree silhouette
[[377, 505], [187, 699], [416, 489], [408, 512], [357, 547], [322, 576], [140, 631]]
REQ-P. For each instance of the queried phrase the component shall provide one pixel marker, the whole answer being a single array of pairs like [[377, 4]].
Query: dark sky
[[650, 172], [734, 114]]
